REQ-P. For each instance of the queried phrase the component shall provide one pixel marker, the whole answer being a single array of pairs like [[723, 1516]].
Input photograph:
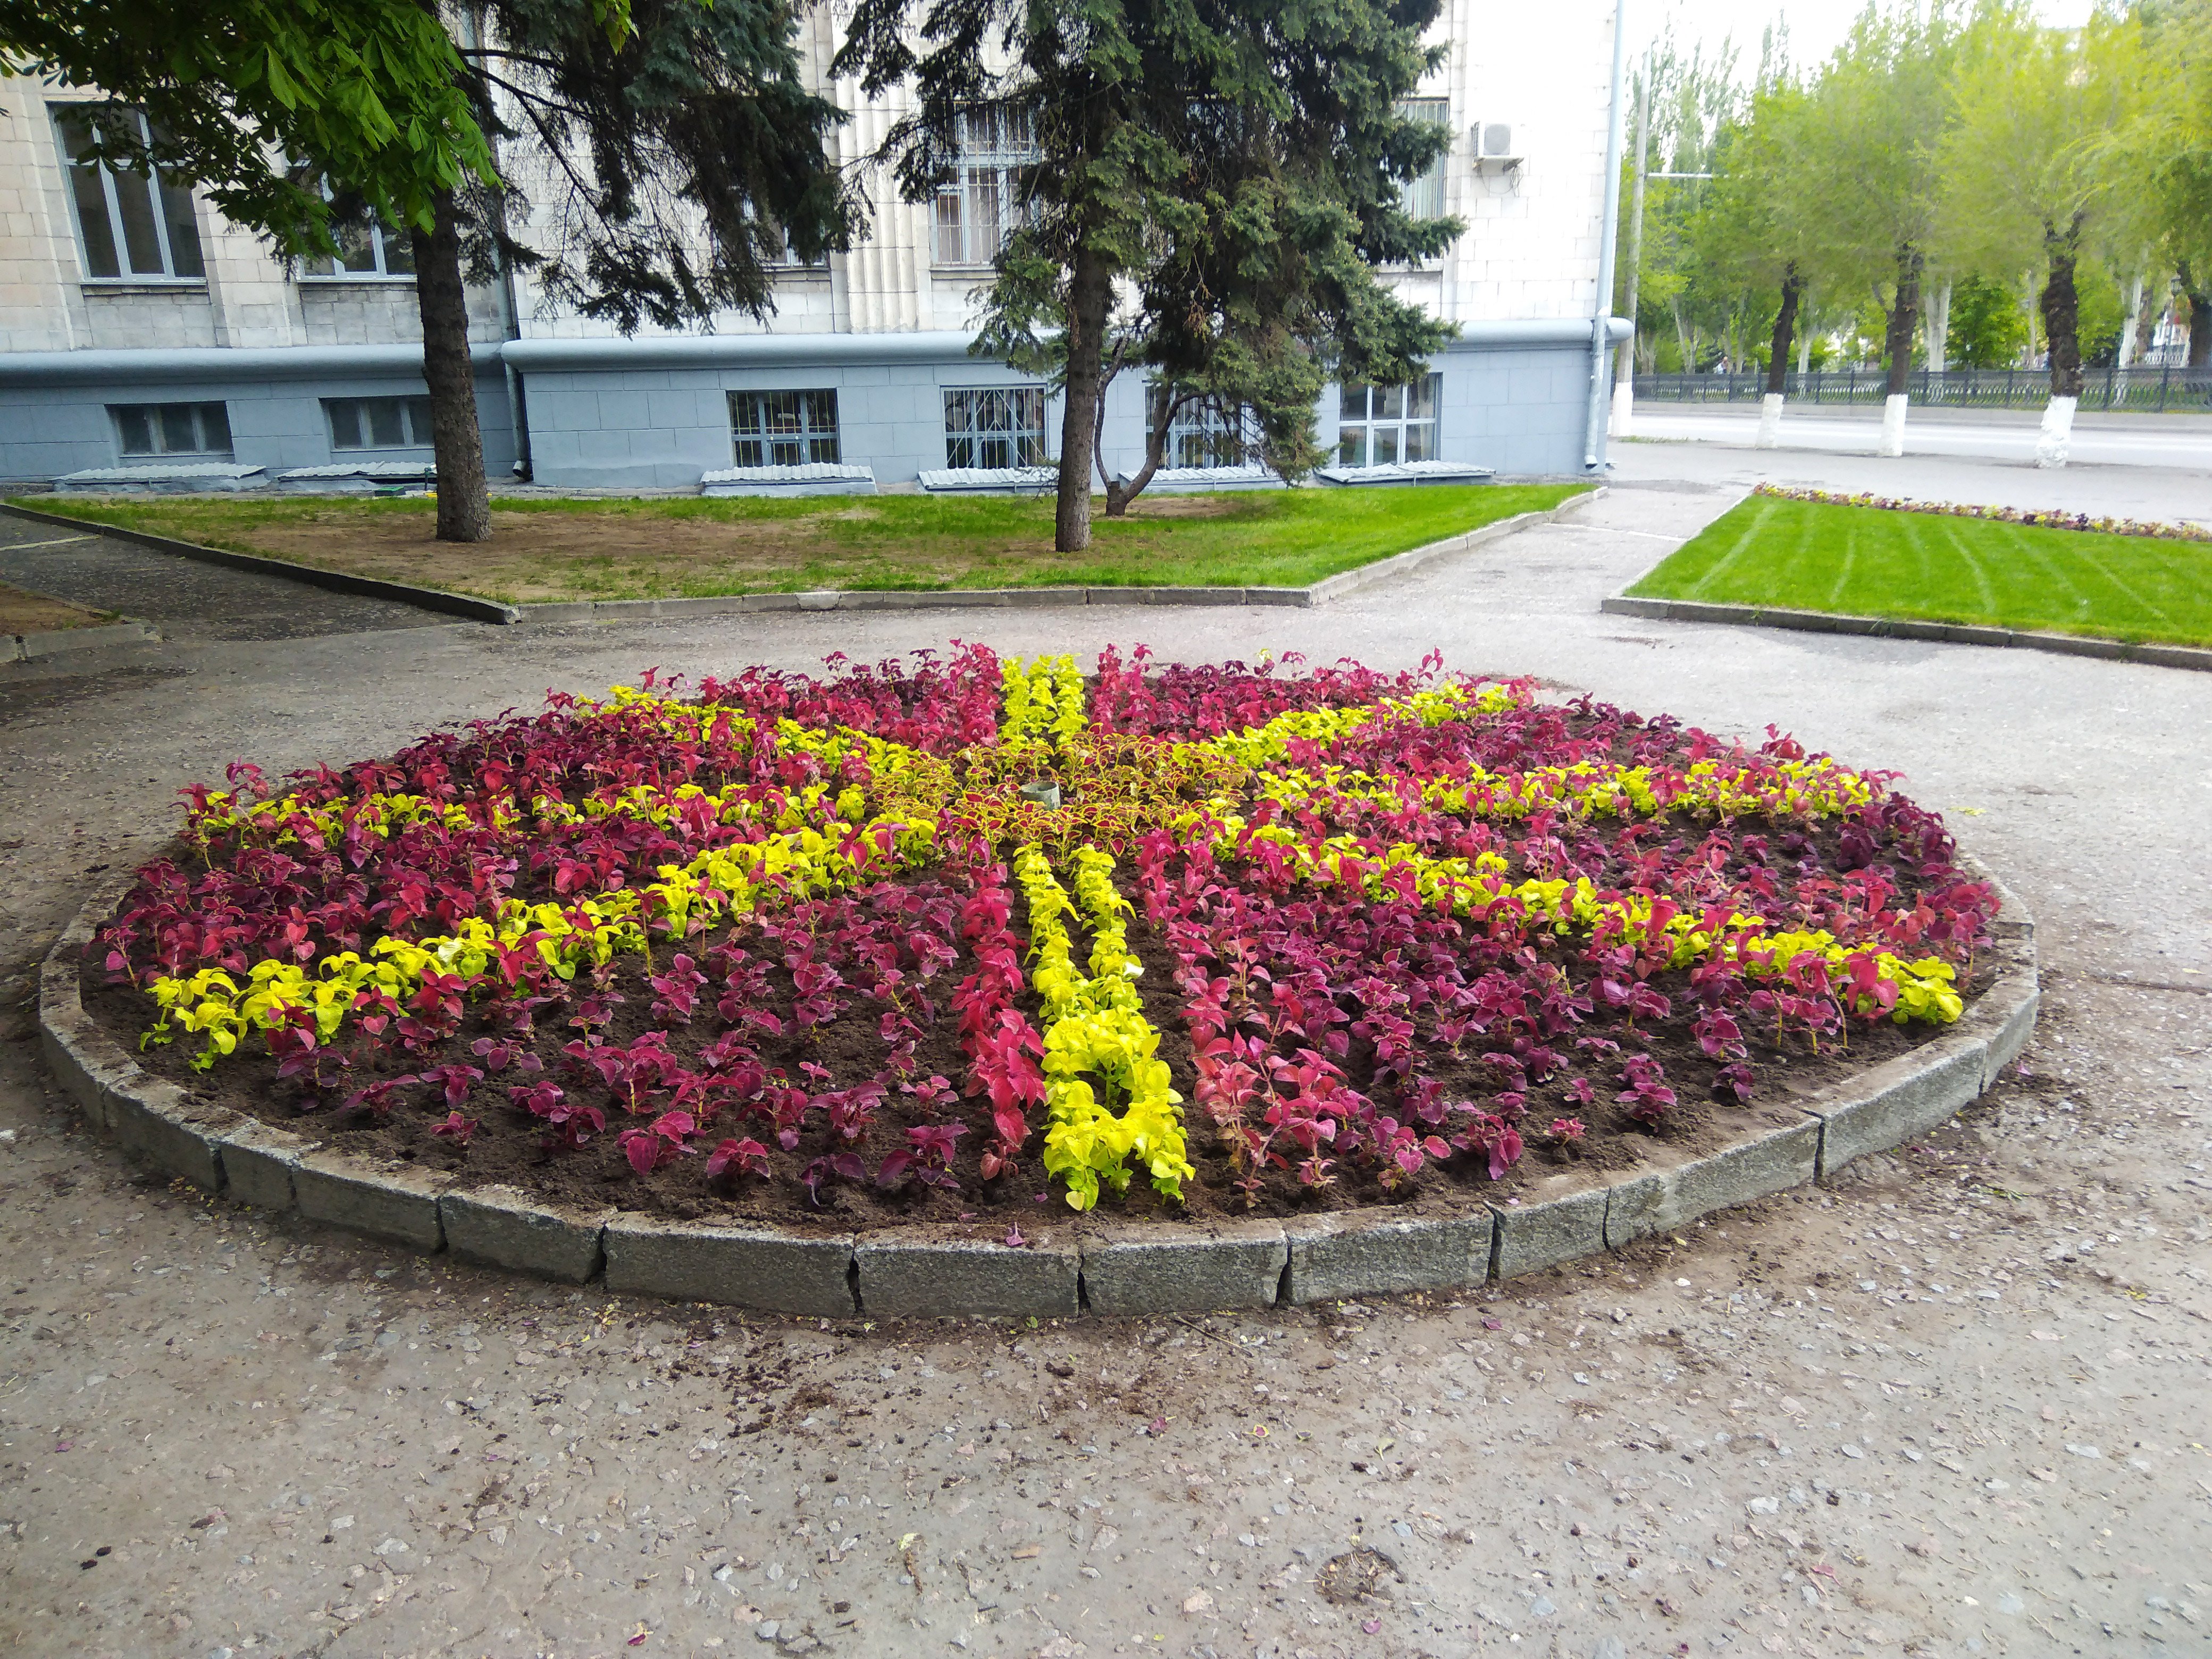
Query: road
[[1954, 1404]]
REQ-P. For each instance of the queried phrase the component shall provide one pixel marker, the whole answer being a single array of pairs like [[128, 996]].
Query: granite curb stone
[[59, 641], [1755, 1166], [1153, 1268], [1892, 1101], [1543, 1233], [906, 1272], [389, 1201], [1359, 1253], [258, 1161], [745, 1267], [506, 1227]]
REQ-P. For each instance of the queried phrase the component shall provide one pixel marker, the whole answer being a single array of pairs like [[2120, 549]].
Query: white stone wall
[[1530, 249]]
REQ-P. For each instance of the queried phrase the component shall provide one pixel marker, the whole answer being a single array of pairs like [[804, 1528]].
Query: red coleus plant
[[1351, 1026]]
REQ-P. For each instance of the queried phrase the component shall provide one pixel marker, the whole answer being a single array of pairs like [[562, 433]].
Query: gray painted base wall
[[47, 431], [655, 414]]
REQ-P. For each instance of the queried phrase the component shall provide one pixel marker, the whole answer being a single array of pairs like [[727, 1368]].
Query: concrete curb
[[1008, 598], [1883, 628], [1094, 1265], [338, 582], [61, 642]]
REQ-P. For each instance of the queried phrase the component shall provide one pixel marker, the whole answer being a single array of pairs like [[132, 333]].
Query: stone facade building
[[138, 329]]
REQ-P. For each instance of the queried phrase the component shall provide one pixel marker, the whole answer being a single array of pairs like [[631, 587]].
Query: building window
[[379, 422], [199, 430], [1206, 432], [995, 428], [1424, 198], [983, 204], [784, 429], [368, 248], [130, 225], [1384, 425]]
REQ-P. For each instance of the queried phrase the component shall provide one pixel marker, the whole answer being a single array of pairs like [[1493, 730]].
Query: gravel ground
[[1957, 1403]]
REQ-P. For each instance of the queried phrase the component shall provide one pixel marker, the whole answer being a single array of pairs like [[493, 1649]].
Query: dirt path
[[1955, 1405]]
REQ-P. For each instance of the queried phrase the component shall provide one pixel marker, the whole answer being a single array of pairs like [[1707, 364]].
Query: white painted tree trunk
[[1623, 409], [1892, 425], [2135, 321], [1936, 316], [1770, 423], [2052, 443]]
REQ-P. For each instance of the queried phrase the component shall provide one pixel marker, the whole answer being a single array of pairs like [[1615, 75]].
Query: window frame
[[984, 170], [378, 231], [195, 411], [810, 435], [1432, 182], [1368, 421], [975, 434], [156, 186], [414, 417]]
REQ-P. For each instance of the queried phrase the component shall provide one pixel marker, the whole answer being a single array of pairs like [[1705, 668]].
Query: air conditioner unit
[[1494, 146]]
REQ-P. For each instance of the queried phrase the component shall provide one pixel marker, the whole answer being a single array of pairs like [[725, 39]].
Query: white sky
[[1816, 27]]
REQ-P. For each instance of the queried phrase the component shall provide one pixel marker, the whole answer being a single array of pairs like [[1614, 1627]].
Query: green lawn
[[1869, 561], [548, 550]]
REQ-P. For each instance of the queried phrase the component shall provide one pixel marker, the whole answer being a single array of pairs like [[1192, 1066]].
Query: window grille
[[199, 430], [379, 422], [1424, 198], [983, 204], [1385, 425], [996, 428], [1204, 431], [131, 226], [784, 429]]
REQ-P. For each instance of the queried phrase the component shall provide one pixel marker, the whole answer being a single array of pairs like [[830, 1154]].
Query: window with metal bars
[[1385, 425], [983, 204], [1424, 198], [784, 429], [131, 225], [144, 431], [1207, 432], [1002, 426]]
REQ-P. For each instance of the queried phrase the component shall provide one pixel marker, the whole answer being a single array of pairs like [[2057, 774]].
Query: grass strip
[[1869, 561], [548, 550]]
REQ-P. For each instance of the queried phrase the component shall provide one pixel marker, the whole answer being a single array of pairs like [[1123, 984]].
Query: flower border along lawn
[[1930, 567], [555, 550]]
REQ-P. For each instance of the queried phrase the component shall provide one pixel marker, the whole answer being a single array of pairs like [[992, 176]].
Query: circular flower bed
[[964, 936]]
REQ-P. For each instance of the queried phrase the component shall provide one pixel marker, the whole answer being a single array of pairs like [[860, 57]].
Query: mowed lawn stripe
[[1874, 562]]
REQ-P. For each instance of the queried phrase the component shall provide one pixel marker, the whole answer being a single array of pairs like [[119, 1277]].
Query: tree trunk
[[2200, 319], [1118, 495], [1091, 293], [1904, 312], [2061, 308], [463, 503], [2132, 333], [1936, 316], [1785, 329]]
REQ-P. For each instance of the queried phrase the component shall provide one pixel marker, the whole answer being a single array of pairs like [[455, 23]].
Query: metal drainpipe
[[1608, 233]]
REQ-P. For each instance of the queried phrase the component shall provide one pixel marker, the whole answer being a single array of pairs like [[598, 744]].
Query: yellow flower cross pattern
[[872, 810]]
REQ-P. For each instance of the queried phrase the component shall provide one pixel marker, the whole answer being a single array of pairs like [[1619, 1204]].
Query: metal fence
[[2151, 390]]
